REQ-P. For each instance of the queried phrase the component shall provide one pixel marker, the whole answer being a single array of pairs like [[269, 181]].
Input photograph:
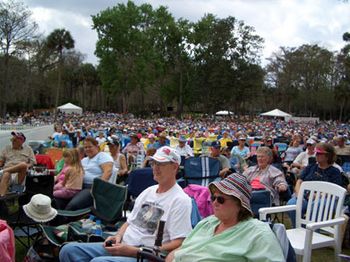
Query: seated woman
[[120, 166], [265, 176], [95, 164], [231, 234], [148, 159], [322, 170], [132, 149]]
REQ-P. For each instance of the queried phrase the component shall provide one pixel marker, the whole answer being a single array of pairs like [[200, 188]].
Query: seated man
[[224, 162], [15, 160], [165, 201]]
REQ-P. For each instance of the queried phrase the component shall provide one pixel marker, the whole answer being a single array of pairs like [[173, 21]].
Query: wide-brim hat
[[39, 208], [235, 185]]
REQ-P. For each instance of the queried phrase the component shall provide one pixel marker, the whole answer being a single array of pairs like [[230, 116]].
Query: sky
[[287, 23]]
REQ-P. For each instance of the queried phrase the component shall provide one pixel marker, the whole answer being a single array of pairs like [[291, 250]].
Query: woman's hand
[[281, 188]]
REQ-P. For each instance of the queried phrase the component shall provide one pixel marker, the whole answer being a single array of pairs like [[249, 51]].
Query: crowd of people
[[254, 154]]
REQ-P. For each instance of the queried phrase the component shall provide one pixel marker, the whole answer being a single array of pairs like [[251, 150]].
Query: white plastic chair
[[323, 214]]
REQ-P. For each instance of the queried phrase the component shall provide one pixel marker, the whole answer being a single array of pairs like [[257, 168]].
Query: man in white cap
[[165, 201], [304, 158], [15, 160]]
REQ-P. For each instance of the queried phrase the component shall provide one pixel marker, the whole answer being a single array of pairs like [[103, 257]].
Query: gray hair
[[265, 150]]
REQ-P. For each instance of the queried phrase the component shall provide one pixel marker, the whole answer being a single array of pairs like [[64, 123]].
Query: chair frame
[[323, 214]]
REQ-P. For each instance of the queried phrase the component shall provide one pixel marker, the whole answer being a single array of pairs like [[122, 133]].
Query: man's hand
[[119, 249], [114, 239]]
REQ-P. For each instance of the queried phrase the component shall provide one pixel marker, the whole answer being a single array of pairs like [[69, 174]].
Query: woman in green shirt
[[231, 234]]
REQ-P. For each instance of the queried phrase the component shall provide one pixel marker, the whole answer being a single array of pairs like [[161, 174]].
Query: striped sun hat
[[235, 185]]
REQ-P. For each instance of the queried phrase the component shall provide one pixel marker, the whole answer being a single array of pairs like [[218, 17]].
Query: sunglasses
[[219, 199]]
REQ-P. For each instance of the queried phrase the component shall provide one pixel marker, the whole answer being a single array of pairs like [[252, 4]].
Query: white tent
[[69, 108], [277, 113], [223, 113]]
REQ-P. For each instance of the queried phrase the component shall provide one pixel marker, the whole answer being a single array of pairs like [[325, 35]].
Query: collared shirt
[[13, 157]]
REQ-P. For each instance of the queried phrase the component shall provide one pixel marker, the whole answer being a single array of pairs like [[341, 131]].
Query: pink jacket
[[7, 243], [201, 195]]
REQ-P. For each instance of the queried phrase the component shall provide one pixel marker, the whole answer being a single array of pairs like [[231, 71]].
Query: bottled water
[[87, 224], [98, 228]]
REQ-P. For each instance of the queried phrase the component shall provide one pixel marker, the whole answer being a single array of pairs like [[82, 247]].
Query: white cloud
[[287, 23]]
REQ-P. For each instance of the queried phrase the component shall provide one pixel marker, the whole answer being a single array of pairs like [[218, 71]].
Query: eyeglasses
[[158, 164], [323, 153], [219, 199]]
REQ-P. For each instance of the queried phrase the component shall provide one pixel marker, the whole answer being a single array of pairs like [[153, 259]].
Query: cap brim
[[160, 159]]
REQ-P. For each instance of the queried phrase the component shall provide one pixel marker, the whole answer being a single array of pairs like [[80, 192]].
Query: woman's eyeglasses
[[219, 199]]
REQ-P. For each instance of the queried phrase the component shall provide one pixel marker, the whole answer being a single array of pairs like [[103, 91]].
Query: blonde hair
[[73, 155]]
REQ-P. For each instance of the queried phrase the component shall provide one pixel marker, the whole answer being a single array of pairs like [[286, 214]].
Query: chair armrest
[[332, 222], [73, 213], [271, 210]]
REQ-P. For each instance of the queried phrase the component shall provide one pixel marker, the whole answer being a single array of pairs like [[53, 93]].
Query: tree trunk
[[180, 102], [6, 86]]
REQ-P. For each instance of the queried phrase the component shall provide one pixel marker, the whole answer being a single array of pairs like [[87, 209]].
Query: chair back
[[281, 147], [108, 200], [201, 170], [55, 154], [328, 199], [140, 179], [259, 199]]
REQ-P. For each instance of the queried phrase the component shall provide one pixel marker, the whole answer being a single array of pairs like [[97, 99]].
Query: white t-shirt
[[303, 158], [184, 151], [174, 207], [101, 140], [92, 166]]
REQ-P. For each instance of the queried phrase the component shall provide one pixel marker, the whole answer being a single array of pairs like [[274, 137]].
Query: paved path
[[36, 133]]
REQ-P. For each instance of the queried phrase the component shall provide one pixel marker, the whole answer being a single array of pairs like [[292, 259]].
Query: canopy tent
[[276, 113], [223, 113], [69, 108]]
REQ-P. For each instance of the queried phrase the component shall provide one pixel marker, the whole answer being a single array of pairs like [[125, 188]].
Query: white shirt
[[184, 151], [174, 207]]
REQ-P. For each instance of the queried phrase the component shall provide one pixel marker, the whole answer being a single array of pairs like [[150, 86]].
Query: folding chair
[[138, 180], [201, 170], [23, 226], [55, 154], [108, 202], [259, 199]]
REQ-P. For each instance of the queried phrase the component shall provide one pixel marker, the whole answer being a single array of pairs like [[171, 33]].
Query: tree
[[15, 27], [58, 41], [224, 50]]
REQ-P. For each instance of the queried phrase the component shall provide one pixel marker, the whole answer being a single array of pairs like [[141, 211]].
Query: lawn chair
[[320, 226], [259, 199], [138, 180], [23, 226], [55, 154], [102, 193], [201, 170]]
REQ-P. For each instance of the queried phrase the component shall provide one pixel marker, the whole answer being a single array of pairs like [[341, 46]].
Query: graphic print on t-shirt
[[149, 216]]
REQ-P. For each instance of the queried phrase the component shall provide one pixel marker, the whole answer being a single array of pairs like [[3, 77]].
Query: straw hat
[[39, 208]]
